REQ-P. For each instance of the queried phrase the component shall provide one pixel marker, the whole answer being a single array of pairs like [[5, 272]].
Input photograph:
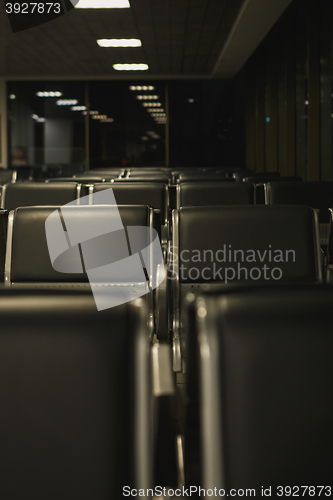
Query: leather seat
[[21, 194], [116, 263], [264, 380], [211, 193], [153, 194], [76, 415], [216, 247], [317, 195]]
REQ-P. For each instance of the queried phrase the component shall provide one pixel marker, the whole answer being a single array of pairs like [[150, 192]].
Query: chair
[[216, 247], [318, 195], [263, 363], [76, 416], [22, 194], [189, 194], [94, 253], [259, 184]]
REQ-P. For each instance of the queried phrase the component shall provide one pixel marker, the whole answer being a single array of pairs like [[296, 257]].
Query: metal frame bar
[[176, 348], [3, 195], [210, 397], [178, 187], [318, 253], [9, 245], [143, 428]]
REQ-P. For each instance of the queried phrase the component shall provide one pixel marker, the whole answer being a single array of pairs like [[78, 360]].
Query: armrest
[[164, 397], [163, 380], [161, 298], [329, 274]]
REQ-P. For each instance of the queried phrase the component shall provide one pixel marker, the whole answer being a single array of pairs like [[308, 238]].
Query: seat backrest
[[111, 173], [256, 179], [82, 180], [266, 378], [148, 177], [75, 417], [7, 175], [239, 176], [259, 185], [253, 243], [191, 194], [314, 194], [153, 194], [203, 176], [28, 259], [22, 194]]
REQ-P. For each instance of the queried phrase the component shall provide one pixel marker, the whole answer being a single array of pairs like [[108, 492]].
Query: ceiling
[[180, 39]]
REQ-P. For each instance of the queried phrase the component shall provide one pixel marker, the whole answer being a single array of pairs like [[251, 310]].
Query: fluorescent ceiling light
[[103, 4], [78, 108], [66, 102], [119, 42], [131, 67]]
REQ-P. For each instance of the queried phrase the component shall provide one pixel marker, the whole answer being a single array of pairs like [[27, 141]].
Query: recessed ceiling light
[[99, 117], [131, 67], [119, 42], [12, 96], [107, 120], [66, 102], [93, 112], [49, 94], [190, 100], [151, 104], [146, 97], [78, 108], [103, 4], [140, 87], [152, 110]]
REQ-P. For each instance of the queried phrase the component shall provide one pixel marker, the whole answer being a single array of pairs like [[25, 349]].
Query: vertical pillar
[[314, 91], [272, 124], [3, 125], [260, 110], [290, 165], [326, 92], [251, 115], [167, 130], [87, 118]]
